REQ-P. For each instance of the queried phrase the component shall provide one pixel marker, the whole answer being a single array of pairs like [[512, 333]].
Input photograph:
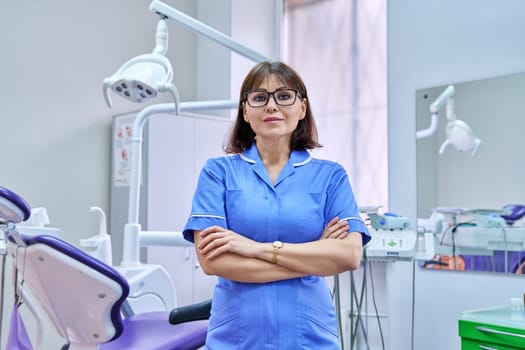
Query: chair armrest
[[193, 312]]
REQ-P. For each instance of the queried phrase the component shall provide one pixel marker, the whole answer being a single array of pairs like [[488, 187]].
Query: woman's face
[[274, 122]]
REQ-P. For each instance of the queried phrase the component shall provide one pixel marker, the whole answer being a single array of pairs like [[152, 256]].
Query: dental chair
[[84, 298]]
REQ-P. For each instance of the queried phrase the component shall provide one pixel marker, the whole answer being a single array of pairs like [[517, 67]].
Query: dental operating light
[[141, 79], [458, 133]]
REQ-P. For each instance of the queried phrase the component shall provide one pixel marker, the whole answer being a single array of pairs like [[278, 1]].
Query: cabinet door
[[489, 335], [177, 149], [470, 344]]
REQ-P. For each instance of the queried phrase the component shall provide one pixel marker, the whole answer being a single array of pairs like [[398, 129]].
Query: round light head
[[138, 82], [140, 79], [461, 136]]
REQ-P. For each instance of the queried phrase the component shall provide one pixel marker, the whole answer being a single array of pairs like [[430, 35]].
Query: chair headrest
[[13, 208]]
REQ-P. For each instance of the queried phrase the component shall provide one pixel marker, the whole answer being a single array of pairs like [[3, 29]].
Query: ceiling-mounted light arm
[[203, 29], [458, 133], [451, 108], [445, 97], [434, 121], [172, 89], [161, 37]]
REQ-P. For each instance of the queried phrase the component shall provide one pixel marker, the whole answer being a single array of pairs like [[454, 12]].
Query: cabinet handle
[[494, 331], [484, 347]]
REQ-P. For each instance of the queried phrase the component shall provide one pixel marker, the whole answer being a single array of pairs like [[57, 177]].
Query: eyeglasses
[[282, 97]]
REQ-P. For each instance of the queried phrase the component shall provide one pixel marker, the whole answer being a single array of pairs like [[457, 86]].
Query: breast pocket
[[235, 203], [313, 214], [303, 215]]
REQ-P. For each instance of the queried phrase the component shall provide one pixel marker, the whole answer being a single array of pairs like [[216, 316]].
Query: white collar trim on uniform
[[243, 156], [297, 158]]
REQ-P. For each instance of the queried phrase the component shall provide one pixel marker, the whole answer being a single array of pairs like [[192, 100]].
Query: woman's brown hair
[[242, 136]]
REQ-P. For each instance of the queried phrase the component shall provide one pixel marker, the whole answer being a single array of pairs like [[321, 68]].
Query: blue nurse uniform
[[236, 193]]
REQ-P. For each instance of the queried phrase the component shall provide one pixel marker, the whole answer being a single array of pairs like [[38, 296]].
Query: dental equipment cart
[[499, 328]]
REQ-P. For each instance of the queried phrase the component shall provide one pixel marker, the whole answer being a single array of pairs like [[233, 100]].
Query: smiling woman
[[249, 232], [274, 120]]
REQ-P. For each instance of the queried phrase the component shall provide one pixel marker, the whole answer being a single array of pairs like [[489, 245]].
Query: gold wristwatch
[[276, 246]]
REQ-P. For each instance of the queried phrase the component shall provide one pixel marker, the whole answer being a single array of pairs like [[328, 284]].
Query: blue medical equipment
[[392, 237], [82, 297], [388, 221], [515, 212]]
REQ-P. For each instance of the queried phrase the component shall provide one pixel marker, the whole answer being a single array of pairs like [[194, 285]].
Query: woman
[[270, 221]]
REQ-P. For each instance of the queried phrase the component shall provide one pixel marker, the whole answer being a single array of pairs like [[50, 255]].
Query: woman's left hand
[[336, 229], [216, 240]]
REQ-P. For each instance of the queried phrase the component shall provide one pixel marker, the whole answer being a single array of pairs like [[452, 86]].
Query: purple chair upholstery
[[58, 273], [13, 207], [151, 330], [495, 262]]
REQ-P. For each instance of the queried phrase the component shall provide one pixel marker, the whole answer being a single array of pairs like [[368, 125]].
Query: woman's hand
[[216, 240], [336, 229]]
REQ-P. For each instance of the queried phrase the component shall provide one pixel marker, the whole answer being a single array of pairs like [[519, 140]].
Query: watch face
[[277, 244]]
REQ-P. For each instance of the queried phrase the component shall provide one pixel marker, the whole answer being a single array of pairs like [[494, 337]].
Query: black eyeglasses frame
[[297, 94]]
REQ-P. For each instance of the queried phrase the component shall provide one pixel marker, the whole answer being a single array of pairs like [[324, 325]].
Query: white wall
[[434, 43], [55, 126], [54, 121]]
